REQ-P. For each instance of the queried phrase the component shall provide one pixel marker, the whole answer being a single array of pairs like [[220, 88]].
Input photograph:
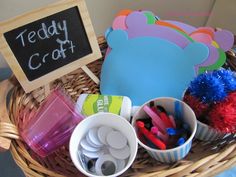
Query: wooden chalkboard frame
[[39, 14]]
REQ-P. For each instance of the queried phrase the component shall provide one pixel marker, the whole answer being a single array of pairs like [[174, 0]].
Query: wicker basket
[[204, 159]]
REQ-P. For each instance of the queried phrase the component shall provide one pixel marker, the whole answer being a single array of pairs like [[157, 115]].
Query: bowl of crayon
[[165, 127]]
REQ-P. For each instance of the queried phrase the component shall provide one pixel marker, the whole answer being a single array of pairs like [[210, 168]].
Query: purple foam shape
[[212, 58], [138, 27], [187, 28], [225, 39], [207, 40]]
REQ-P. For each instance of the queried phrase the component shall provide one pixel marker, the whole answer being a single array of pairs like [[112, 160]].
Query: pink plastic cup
[[52, 125]]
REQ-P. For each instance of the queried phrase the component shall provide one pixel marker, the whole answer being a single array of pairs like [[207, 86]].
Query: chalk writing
[[43, 33], [49, 43]]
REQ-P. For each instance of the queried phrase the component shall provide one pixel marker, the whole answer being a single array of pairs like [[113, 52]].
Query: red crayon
[[164, 118], [158, 143]]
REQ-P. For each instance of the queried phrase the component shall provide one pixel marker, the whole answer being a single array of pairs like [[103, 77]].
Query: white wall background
[[224, 15], [102, 12]]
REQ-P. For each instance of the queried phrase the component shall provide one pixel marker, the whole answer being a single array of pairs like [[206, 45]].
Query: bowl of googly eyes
[[103, 144]]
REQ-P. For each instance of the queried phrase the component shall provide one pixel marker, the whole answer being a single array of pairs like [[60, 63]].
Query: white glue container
[[89, 104]]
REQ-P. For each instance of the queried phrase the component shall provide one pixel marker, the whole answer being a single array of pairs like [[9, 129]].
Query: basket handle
[[8, 130]]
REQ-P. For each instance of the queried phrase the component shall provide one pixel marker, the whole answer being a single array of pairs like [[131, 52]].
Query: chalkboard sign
[[51, 43], [46, 44]]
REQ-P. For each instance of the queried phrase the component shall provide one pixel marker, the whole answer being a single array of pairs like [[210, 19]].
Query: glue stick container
[[89, 104]]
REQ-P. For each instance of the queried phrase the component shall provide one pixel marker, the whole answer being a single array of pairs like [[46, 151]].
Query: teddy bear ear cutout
[[135, 19], [197, 52], [116, 38], [225, 39]]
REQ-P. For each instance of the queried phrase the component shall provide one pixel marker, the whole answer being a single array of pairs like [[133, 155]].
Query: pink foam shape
[[202, 37], [119, 23]]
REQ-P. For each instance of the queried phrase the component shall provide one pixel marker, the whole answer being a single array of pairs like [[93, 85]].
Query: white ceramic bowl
[[108, 119], [174, 107]]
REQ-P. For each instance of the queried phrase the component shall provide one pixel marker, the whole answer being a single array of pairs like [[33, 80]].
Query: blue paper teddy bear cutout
[[144, 68]]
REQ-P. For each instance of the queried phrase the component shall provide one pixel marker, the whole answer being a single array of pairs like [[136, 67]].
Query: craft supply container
[[204, 158], [103, 119], [207, 133], [52, 125], [187, 116]]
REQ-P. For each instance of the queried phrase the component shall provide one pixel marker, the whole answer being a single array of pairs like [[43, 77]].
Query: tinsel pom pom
[[228, 79], [198, 107], [222, 116], [207, 88]]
